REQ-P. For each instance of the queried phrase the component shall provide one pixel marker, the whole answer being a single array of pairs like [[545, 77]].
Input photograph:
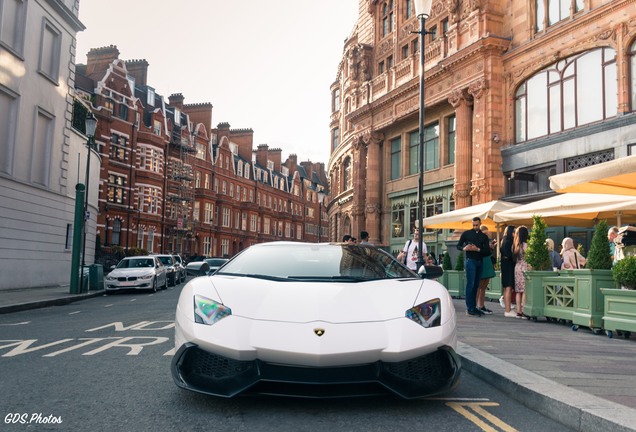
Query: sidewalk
[[584, 381]]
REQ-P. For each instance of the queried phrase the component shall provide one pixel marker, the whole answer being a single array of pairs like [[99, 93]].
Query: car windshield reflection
[[289, 261]]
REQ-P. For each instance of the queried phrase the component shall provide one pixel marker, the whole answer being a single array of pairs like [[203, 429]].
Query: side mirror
[[430, 272]]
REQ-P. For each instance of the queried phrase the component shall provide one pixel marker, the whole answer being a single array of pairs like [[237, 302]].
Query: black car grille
[[127, 278], [198, 370]]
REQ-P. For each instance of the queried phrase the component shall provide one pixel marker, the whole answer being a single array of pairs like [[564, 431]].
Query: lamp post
[[422, 9], [91, 124], [321, 198]]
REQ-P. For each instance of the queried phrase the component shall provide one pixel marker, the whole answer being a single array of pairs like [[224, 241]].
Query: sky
[[263, 65]]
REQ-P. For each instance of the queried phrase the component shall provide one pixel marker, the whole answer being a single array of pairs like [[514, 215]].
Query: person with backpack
[[409, 254]]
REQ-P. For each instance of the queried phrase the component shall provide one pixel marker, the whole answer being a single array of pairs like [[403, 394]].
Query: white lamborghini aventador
[[315, 320]]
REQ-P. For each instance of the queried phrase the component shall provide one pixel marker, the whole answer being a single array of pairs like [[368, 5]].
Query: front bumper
[[204, 372]]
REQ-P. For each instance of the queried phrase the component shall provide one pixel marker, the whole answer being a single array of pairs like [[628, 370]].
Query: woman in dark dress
[[507, 270]]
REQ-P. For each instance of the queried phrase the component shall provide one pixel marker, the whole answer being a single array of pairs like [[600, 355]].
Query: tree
[[459, 265], [537, 255], [446, 262], [599, 257]]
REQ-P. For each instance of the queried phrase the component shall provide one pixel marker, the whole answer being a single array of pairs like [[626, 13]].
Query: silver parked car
[[171, 268], [181, 269], [138, 272]]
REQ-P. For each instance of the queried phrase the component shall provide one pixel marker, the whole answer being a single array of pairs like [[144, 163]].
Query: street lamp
[[321, 198], [91, 124], [422, 9]]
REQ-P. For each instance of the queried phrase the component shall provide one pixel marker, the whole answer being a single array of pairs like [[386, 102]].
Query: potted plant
[[620, 304], [457, 277], [538, 258], [624, 272], [588, 297], [446, 266]]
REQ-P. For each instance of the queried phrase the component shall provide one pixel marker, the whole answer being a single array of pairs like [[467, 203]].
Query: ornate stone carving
[[453, 8], [478, 186], [358, 61], [373, 208], [459, 96], [478, 88], [460, 192]]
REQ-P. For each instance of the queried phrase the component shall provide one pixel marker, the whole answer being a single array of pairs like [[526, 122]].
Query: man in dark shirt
[[475, 245]]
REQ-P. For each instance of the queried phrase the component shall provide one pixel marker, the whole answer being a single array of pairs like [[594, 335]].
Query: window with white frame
[[238, 192], [266, 225], [226, 217], [253, 220], [207, 181], [196, 211], [224, 187], [287, 230], [239, 169], [216, 185], [150, 158], [244, 221], [209, 211], [207, 245], [225, 247], [140, 237], [237, 220], [13, 25], [156, 129], [247, 171], [197, 179], [200, 151], [550, 12], [299, 231]]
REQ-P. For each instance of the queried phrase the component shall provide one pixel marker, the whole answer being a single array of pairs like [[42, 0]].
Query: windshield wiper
[[256, 276], [335, 278]]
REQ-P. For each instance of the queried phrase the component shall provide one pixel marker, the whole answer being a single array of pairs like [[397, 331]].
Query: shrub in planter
[[446, 262], [459, 265], [624, 272], [537, 255], [599, 257]]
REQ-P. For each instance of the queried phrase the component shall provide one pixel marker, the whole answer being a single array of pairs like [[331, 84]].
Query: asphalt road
[[104, 365]]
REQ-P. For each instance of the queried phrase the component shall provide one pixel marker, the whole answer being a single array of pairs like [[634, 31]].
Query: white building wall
[[39, 168]]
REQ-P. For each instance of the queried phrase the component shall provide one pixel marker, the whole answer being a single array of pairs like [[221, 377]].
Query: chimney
[[261, 155], [200, 113], [139, 70], [292, 163], [176, 100], [98, 61], [275, 155]]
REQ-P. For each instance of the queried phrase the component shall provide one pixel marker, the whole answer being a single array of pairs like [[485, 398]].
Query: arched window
[[572, 92], [348, 178]]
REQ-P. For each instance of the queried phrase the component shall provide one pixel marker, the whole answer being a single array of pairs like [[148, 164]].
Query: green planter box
[[493, 292], [444, 279], [588, 298], [535, 296], [619, 311], [558, 297], [456, 283]]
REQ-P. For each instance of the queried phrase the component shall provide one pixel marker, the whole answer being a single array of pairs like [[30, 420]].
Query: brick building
[[171, 182], [515, 91]]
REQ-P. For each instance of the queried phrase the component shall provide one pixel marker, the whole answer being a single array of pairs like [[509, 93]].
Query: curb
[[570, 407], [60, 301]]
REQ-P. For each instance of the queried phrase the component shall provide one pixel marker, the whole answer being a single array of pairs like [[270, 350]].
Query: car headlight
[[111, 278], [147, 276], [208, 311], [427, 314]]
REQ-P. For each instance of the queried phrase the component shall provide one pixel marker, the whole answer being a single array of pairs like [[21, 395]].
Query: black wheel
[[626, 334], [154, 285], [575, 327], [596, 331], [610, 334]]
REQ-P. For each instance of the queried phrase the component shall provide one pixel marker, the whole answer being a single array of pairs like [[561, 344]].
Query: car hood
[[131, 272], [314, 301]]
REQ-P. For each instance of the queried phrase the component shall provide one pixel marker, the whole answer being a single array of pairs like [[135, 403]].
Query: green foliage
[[136, 252], [459, 265], [624, 272], [446, 262], [538, 256], [580, 249], [599, 257], [118, 252]]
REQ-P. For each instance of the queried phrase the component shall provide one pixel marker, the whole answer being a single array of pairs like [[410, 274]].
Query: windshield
[[136, 263], [166, 260], [303, 261]]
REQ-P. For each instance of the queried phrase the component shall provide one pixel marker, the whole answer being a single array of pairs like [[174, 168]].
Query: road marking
[[132, 300], [478, 412], [108, 305], [17, 324], [73, 313], [135, 348]]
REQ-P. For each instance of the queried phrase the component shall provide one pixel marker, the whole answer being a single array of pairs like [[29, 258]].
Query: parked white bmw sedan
[[316, 320], [138, 272]]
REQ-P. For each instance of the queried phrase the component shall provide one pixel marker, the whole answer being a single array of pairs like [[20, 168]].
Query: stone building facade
[[41, 155], [515, 91]]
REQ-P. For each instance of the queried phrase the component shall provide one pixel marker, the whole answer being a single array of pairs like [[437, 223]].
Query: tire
[[154, 285]]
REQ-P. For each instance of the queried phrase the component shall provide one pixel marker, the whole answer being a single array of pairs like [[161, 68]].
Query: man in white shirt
[[409, 253]]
